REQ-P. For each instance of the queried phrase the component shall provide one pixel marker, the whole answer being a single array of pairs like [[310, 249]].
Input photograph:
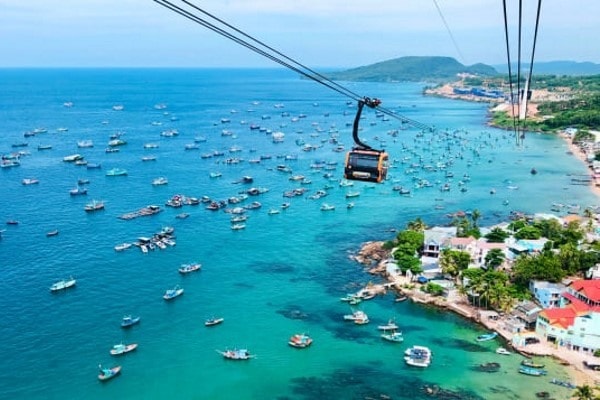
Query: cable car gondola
[[364, 163]]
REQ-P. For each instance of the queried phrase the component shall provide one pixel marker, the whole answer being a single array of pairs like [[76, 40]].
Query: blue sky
[[318, 33]]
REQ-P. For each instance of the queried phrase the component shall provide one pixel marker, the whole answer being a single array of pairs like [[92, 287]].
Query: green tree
[[572, 233], [452, 262], [584, 392], [497, 235], [545, 266], [570, 258], [411, 239], [417, 225], [407, 262], [475, 215], [434, 289], [494, 258], [528, 232]]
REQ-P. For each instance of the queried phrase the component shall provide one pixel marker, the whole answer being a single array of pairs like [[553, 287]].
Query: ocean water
[[282, 274]]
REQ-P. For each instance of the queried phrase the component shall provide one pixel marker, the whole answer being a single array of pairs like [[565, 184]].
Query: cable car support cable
[[276, 56]]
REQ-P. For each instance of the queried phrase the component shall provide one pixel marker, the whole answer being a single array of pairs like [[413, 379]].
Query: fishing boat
[[327, 207], [78, 191], [532, 364], [120, 349], [172, 293], [94, 206], [108, 373], [391, 325], [566, 384], [116, 172], [52, 233], [236, 354], [213, 321], [30, 181], [393, 336], [503, 351], [123, 246], [487, 336], [531, 371], [128, 321], [187, 268], [160, 181], [418, 356], [63, 284], [300, 341], [358, 317], [400, 298]]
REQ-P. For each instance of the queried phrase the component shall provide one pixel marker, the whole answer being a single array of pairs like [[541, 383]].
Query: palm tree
[[584, 392], [589, 214], [494, 258], [417, 225], [475, 215]]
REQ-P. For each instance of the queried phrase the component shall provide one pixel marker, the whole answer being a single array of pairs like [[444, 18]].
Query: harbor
[[282, 274]]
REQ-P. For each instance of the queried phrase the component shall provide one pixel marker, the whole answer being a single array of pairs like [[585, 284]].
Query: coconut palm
[[584, 392], [417, 225]]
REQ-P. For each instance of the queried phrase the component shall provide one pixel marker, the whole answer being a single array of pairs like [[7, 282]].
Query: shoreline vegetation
[[376, 256]]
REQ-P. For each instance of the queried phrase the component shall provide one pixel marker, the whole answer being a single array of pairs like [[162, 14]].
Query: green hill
[[412, 68]]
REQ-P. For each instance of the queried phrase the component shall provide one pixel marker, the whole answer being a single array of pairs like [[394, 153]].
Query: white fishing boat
[[358, 317], [161, 180], [122, 246], [63, 284]]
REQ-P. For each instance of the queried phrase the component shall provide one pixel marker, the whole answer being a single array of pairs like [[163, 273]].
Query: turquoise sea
[[282, 274]]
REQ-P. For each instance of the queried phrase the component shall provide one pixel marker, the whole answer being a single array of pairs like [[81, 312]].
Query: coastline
[[376, 258], [582, 156]]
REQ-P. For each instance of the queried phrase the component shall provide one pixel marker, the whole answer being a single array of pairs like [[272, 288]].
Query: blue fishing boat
[[487, 336], [531, 371], [108, 373], [566, 384], [172, 293], [116, 172], [128, 321]]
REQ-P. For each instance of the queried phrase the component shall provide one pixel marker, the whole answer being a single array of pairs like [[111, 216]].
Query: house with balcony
[[548, 294], [435, 239], [574, 325]]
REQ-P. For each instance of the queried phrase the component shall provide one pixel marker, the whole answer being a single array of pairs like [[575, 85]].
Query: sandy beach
[[581, 155]]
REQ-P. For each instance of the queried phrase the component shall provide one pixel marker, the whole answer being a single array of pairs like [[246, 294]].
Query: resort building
[[576, 325], [435, 239], [546, 293]]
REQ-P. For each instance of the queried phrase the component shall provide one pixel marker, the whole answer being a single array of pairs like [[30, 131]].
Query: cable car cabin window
[[366, 165]]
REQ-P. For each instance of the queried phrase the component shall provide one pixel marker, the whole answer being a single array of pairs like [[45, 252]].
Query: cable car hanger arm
[[372, 103]]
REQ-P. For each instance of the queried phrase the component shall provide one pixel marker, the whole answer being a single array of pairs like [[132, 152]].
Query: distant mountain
[[413, 68], [557, 68]]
